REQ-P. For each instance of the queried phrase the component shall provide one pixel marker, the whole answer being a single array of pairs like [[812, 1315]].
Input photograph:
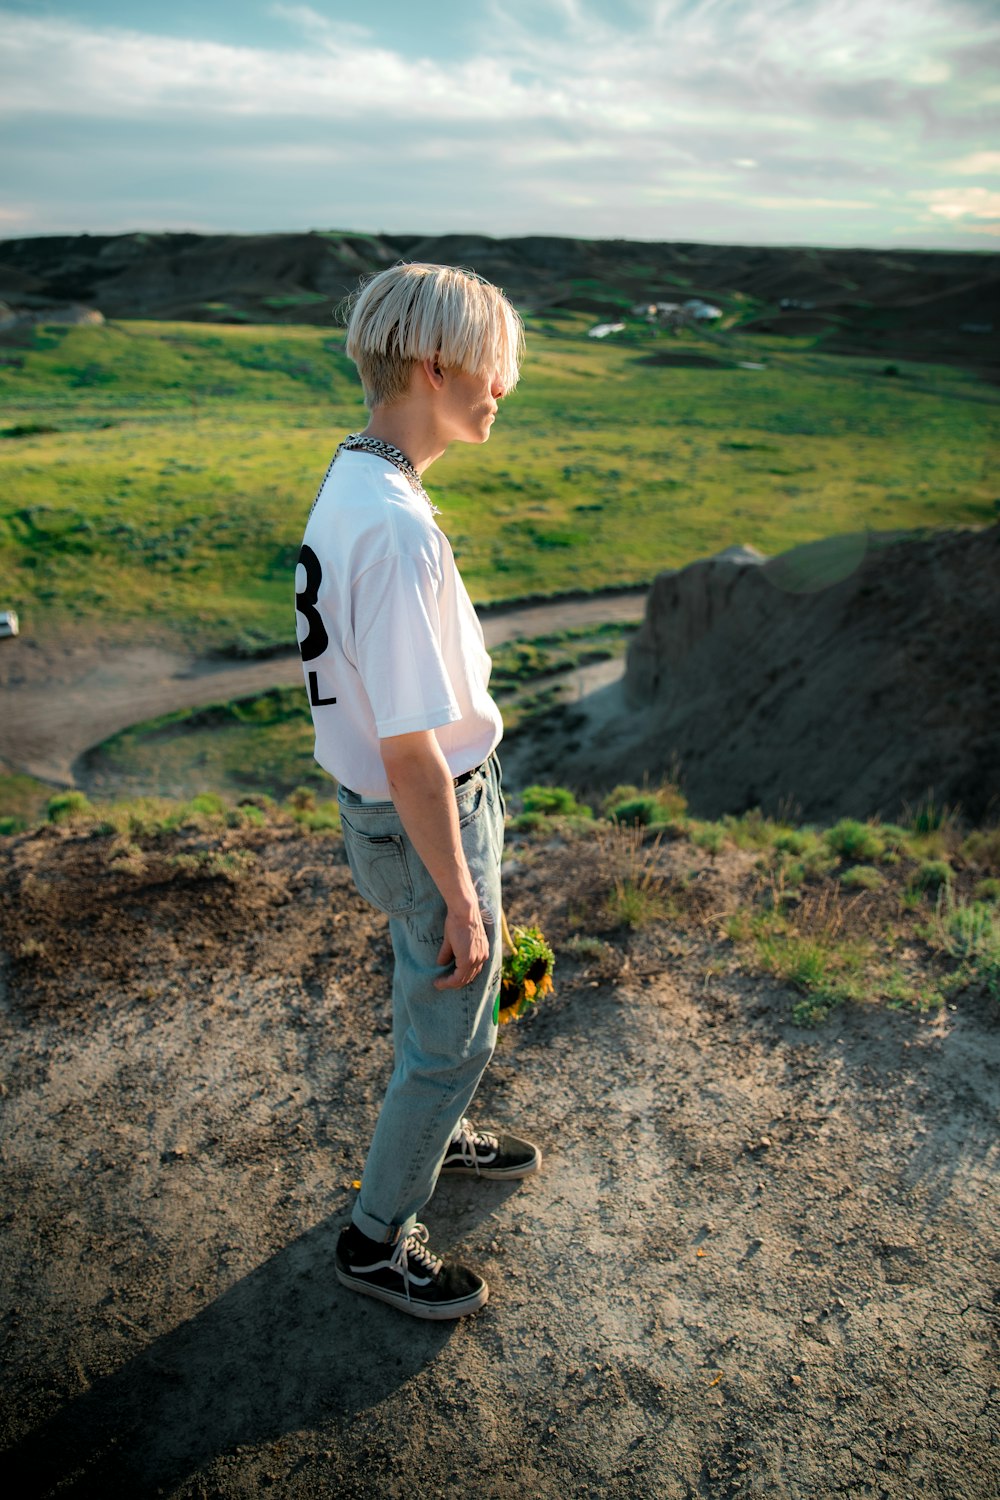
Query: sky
[[808, 122]]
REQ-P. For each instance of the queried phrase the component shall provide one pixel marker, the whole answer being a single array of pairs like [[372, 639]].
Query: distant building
[[702, 312], [601, 330], [72, 315], [654, 310]]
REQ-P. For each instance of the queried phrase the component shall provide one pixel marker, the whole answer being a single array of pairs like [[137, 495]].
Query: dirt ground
[[758, 1261]]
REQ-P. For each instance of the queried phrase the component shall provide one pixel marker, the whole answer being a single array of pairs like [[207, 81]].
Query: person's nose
[[497, 388]]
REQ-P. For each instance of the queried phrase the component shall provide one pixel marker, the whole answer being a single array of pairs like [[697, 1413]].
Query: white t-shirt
[[389, 639]]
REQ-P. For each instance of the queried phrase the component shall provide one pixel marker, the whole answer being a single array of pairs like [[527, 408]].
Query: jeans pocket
[[379, 867], [471, 805], [498, 779]]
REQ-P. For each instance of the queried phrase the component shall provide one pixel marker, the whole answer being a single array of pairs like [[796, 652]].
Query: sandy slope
[[849, 677], [759, 1261]]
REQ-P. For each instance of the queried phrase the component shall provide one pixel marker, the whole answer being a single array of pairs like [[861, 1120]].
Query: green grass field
[[156, 477]]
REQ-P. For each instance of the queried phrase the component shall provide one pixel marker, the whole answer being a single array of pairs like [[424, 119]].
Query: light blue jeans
[[443, 1039]]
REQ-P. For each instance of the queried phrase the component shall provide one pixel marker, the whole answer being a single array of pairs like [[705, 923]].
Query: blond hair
[[417, 311]]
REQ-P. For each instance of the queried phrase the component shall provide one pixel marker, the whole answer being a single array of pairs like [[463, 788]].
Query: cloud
[[831, 104], [832, 59], [978, 164], [962, 203], [51, 65], [792, 204]]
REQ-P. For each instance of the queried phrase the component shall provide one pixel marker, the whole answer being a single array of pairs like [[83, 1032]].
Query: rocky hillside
[[849, 677], [911, 304]]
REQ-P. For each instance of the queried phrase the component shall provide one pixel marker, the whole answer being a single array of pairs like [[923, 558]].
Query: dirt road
[[63, 700]]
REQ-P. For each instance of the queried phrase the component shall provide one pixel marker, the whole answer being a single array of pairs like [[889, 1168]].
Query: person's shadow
[[284, 1349]]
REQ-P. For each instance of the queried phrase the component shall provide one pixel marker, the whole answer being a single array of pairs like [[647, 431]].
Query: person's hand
[[465, 945]]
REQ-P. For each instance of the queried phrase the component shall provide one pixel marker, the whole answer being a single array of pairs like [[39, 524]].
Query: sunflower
[[526, 975]]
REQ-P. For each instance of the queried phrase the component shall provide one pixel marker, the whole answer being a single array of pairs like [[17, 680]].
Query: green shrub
[[638, 810], [710, 836], [231, 865], [982, 848], [852, 840], [527, 822], [11, 824], [988, 889], [27, 429], [208, 804], [586, 946], [553, 802], [632, 905], [752, 830], [810, 854], [827, 971], [863, 877], [928, 817], [143, 817], [664, 803], [933, 875], [794, 840], [970, 932], [246, 816], [621, 793], [323, 818], [67, 805]]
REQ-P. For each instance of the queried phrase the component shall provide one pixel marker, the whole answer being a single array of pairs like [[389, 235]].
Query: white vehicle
[[8, 623]]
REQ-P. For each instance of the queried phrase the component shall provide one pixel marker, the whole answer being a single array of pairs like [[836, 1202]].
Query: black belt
[[457, 781], [468, 775]]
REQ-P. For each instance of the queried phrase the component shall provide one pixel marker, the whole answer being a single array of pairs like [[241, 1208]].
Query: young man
[[397, 674]]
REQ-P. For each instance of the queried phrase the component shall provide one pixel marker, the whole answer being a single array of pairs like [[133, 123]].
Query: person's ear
[[432, 369]]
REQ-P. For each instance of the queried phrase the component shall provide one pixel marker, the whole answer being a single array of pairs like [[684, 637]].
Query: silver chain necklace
[[358, 442]]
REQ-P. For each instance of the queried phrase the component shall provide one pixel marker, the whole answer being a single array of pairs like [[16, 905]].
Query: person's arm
[[422, 789]]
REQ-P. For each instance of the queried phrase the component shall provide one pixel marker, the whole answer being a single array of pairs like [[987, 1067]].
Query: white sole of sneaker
[[506, 1174], [434, 1312]]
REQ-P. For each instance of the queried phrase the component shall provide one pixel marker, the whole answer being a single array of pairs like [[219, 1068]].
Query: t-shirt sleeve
[[397, 641]]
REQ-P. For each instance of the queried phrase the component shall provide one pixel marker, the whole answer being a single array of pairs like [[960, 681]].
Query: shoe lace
[[471, 1142], [412, 1258]]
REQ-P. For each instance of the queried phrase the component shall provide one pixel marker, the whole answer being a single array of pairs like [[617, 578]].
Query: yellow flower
[[529, 988]]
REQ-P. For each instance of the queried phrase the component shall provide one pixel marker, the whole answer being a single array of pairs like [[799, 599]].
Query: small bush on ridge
[[933, 875], [855, 841], [66, 805], [863, 877], [553, 802]]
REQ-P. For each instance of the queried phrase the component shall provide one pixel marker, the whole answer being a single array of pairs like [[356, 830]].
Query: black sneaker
[[408, 1276], [481, 1153]]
